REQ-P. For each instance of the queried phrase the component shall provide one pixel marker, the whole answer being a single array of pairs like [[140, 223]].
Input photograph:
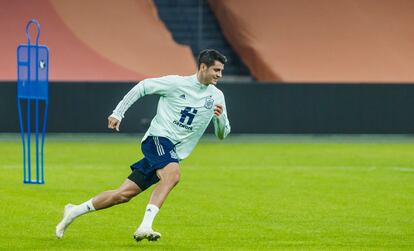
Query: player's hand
[[113, 123], [218, 110]]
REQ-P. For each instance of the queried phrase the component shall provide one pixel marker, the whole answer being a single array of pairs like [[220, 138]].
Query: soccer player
[[186, 106]]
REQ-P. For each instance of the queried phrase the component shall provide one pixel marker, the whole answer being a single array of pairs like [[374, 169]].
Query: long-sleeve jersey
[[185, 109]]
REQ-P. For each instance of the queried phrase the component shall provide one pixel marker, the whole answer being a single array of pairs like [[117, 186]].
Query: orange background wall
[[322, 40], [92, 40]]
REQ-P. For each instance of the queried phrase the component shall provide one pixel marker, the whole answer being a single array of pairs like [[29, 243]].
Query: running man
[[186, 106]]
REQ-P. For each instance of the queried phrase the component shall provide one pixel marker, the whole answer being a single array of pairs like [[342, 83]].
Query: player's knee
[[169, 175], [173, 178]]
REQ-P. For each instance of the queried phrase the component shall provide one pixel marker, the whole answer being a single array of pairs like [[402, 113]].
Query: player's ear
[[203, 67]]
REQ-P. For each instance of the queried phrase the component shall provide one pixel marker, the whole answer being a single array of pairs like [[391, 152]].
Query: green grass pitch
[[241, 195]]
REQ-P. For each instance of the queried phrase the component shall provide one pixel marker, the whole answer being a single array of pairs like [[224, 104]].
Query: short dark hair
[[209, 56]]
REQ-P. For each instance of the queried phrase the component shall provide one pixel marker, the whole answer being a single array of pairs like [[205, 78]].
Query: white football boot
[[146, 233], [65, 222]]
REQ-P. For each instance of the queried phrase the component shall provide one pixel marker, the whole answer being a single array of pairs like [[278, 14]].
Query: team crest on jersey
[[209, 103]]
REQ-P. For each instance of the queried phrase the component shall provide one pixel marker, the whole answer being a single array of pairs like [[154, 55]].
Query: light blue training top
[[185, 109]]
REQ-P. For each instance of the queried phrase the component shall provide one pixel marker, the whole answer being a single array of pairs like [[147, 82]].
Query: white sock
[[83, 208], [150, 213]]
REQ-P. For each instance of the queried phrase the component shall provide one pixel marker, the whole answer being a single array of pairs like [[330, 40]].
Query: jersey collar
[[202, 86]]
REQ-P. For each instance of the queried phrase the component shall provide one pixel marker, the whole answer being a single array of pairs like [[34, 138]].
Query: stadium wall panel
[[252, 108]]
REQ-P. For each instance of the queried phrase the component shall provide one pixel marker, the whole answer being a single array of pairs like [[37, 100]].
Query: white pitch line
[[404, 169]]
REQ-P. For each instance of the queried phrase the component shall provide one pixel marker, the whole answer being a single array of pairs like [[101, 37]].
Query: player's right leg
[[103, 200]]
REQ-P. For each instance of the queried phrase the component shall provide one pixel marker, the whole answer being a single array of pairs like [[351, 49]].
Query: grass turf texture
[[238, 196]]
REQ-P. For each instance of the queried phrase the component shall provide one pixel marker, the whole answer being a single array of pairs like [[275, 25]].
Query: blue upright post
[[32, 85]]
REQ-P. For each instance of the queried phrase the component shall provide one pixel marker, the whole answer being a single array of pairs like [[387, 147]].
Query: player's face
[[210, 75]]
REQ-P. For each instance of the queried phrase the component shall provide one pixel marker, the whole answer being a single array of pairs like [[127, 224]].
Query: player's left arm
[[220, 120]]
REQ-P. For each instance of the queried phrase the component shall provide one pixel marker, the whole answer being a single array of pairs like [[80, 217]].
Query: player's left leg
[[169, 177]]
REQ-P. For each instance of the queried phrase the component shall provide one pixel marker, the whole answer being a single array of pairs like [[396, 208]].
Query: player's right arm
[[160, 86], [113, 123]]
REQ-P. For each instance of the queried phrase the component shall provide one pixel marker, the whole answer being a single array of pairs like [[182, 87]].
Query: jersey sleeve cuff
[[119, 118]]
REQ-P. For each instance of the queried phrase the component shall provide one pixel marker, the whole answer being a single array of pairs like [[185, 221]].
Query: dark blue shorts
[[158, 152]]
